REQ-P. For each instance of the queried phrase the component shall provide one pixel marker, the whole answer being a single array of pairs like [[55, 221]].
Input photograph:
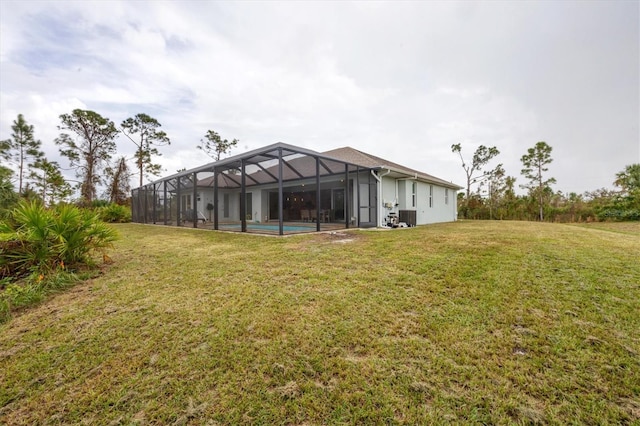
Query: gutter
[[423, 178]]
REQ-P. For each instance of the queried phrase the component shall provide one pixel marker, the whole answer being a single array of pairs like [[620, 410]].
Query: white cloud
[[400, 80]]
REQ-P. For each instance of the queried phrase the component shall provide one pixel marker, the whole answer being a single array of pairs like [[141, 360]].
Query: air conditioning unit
[[408, 217]]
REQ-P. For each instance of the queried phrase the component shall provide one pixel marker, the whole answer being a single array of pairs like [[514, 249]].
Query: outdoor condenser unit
[[408, 217]]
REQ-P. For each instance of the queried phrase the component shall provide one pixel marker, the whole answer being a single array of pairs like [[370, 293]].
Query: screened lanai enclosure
[[279, 189]]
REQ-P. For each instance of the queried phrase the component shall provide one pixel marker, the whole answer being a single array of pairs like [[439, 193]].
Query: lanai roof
[[301, 164]]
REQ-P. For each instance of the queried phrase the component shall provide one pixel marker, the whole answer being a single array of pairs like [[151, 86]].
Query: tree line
[[492, 194], [88, 141]]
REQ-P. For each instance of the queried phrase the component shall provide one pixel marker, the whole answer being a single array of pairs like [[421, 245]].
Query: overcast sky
[[400, 80]]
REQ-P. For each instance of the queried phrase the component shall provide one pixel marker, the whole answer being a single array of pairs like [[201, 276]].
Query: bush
[[38, 240], [620, 215], [115, 213], [621, 208], [99, 203]]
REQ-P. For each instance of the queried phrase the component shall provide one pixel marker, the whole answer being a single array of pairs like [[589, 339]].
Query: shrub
[[621, 208], [115, 213], [99, 203], [40, 240], [620, 215]]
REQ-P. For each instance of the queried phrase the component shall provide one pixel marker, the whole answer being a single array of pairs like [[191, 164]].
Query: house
[[286, 189]]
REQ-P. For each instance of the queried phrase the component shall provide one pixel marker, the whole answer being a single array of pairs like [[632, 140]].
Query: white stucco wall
[[439, 210], [442, 207], [393, 191], [206, 196]]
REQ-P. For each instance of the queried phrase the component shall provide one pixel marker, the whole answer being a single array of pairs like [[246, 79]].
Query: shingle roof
[[360, 158], [304, 166]]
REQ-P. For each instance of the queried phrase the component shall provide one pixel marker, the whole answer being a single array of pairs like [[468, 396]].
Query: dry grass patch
[[469, 322]]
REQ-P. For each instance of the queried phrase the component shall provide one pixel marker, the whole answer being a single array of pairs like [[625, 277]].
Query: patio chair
[[304, 215]]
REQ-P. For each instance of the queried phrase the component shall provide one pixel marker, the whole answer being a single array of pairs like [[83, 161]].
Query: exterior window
[[225, 207], [186, 202], [414, 186], [430, 195], [248, 206], [446, 195]]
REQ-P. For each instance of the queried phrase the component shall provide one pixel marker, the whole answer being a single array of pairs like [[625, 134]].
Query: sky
[[399, 80]]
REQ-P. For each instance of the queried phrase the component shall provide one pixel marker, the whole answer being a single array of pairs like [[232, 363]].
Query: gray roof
[[363, 159], [332, 162]]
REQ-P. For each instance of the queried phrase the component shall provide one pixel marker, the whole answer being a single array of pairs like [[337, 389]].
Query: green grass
[[468, 322], [33, 290]]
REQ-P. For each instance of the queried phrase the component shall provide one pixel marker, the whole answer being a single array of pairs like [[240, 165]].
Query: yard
[[473, 322]]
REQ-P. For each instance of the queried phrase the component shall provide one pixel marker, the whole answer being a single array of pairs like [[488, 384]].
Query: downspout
[[379, 207]]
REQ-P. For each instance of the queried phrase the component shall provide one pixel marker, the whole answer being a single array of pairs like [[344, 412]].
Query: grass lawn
[[467, 322]]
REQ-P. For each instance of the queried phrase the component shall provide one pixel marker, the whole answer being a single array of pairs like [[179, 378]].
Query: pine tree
[[119, 188], [535, 162], [48, 179], [474, 172], [21, 149], [214, 146], [143, 131], [92, 153]]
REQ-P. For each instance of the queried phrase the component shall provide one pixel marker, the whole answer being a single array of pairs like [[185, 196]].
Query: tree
[[143, 131], [629, 179], [119, 188], [626, 204], [49, 181], [8, 196], [21, 148], [93, 151], [496, 187], [214, 146], [535, 161], [510, 199], [599, 198], [474, 171]]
